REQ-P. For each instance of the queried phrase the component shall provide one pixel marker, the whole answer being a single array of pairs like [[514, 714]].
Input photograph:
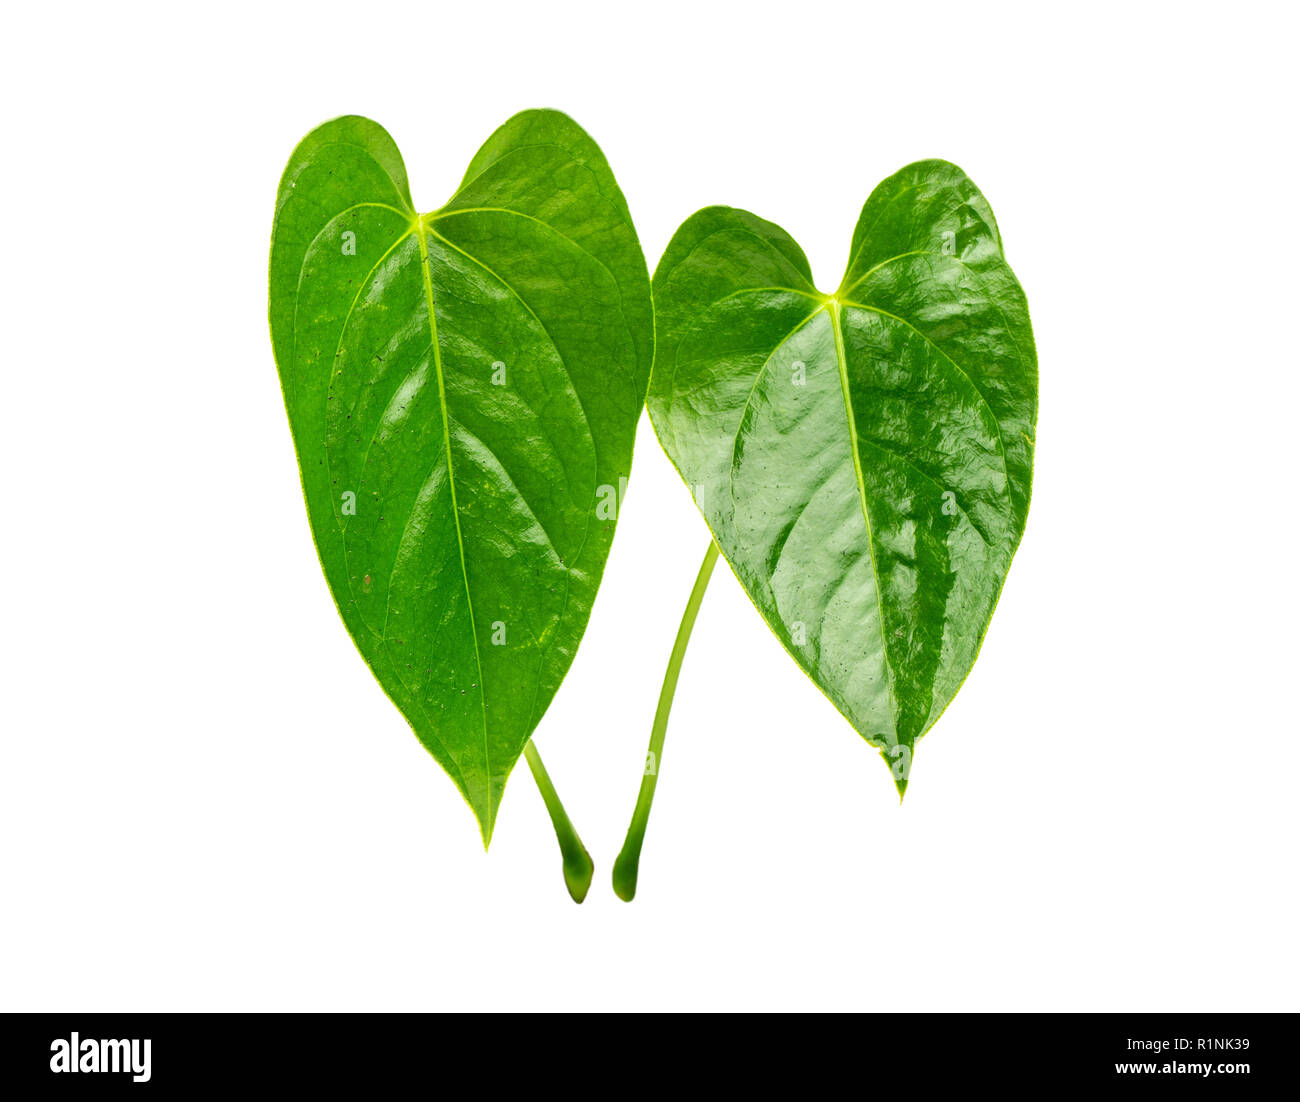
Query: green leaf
[[864, 458], [463, 389]]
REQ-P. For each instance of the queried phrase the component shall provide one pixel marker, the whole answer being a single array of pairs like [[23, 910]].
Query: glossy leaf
[[863, 458], [463, 389]]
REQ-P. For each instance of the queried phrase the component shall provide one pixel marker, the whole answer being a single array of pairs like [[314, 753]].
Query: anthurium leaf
[[863, 457], [463, 389]]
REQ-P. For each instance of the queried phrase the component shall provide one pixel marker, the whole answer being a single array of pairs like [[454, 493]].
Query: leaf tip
[[900, 777], [486, 821]]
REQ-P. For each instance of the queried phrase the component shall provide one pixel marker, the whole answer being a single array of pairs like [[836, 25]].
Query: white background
[[206, 801]]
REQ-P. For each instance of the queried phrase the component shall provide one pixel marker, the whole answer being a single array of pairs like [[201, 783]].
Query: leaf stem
[[578, 867], [625, 867]]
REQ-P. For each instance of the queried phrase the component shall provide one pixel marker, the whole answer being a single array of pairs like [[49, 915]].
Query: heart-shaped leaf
[[463, 389], [863, 458]]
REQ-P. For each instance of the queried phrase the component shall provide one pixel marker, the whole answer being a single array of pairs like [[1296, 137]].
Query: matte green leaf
[[463, 389], [863, 458]]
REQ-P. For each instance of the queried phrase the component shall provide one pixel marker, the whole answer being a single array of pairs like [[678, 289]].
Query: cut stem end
[[577, 863], [629, 859]]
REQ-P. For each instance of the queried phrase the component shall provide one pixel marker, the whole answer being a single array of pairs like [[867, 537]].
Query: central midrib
[[426, 272], [841, 360]]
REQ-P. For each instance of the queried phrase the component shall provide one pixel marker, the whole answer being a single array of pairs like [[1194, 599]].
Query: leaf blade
[[855, 474], [433, 389]]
